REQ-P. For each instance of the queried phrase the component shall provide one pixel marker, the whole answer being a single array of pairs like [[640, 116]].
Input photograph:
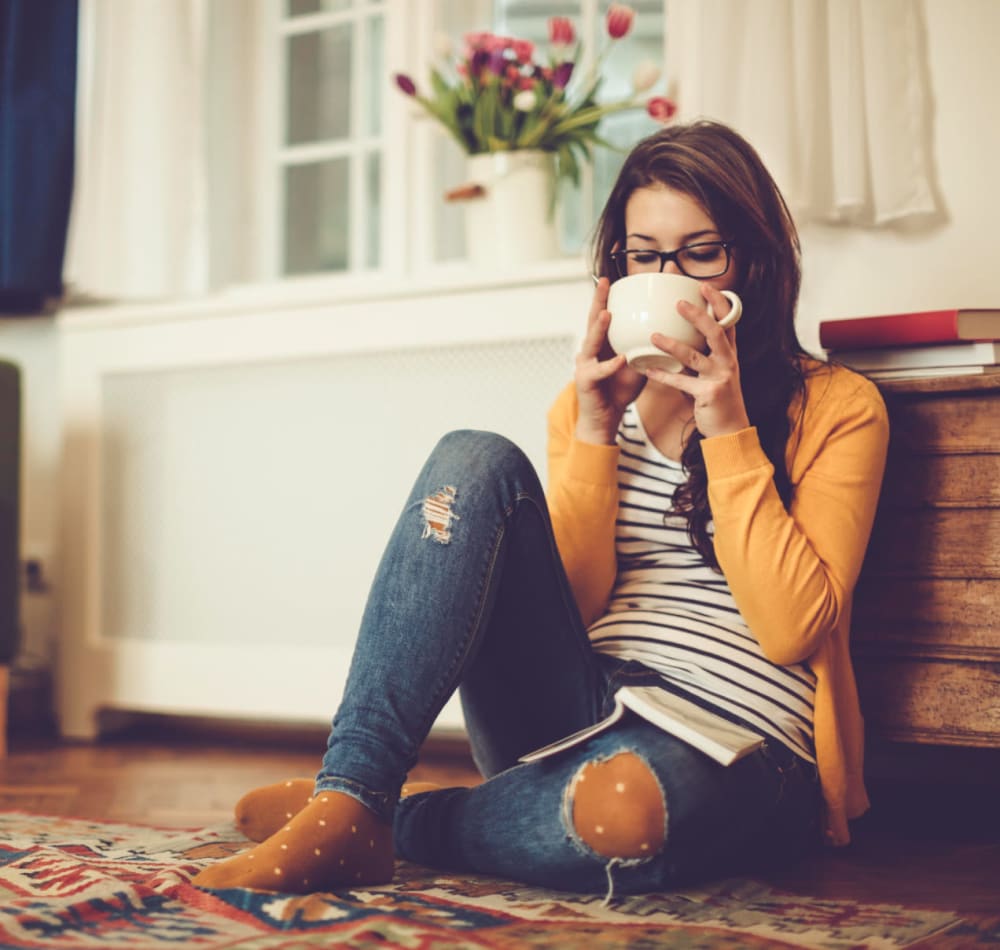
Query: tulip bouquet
[[501, 95]]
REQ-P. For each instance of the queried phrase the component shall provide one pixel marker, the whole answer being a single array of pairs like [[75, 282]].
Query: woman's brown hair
[[721, 171]]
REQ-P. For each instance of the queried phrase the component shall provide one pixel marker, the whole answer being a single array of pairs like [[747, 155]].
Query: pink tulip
[[406, 84], [475, 40], [561, 31], [523, 50], [619, 21], [661, 109]]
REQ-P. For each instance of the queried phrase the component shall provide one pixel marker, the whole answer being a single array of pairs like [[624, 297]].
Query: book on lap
[[718, 738], [910, 329]]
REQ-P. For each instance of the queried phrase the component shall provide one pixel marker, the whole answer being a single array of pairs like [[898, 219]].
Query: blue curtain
[[37, 110]]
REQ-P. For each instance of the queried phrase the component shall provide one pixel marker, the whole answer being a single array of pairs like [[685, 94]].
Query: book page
[[717, 737], [577, 737]]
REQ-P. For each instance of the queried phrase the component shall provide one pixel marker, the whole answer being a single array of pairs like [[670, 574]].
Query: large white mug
[[644, 304]]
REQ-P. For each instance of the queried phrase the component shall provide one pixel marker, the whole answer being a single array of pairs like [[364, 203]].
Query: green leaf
[[442, 90]]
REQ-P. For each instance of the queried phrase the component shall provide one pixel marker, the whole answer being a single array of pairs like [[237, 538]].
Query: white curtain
[[152, 217], [833, 93]]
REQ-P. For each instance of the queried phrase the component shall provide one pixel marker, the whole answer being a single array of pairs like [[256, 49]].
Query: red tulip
[[406, 84], [661, 109], [561, 31], [619, 20]]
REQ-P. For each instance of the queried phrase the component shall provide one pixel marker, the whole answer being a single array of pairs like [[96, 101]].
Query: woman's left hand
[[713, 378]]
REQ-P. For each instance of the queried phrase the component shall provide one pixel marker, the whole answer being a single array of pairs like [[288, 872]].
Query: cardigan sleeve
[[792, 573], [583, 503]]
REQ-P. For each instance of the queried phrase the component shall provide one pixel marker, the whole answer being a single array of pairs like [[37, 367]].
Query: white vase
[[513, 223]]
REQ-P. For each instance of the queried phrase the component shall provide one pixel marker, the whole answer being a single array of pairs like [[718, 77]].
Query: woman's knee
[[470, 457], [618, 808], [479, 447]]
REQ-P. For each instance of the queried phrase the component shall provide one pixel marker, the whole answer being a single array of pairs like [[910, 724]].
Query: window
[[355, 183], [330, 157]]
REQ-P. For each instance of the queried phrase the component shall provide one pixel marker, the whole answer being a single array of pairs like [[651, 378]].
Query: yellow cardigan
[[792, 573]]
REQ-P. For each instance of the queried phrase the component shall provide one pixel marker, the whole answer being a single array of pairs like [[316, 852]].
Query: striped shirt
[[672, 612]]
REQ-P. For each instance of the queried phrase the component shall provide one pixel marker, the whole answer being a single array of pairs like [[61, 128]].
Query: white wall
[[847, 272], [855, 273]]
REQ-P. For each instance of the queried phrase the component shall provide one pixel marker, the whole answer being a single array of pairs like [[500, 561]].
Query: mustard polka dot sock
[[265, 810], [334, 841]]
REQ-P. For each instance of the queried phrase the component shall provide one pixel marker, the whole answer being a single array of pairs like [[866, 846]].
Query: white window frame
[[409, 203], [272, 156]]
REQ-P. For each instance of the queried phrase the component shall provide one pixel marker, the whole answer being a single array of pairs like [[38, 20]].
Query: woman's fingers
[[599, 301], [721, 340], [719, 302], [606, 368], [596, 336], [687, 355]]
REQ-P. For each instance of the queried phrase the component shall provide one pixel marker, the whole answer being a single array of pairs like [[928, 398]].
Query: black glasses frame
[[621, 258]]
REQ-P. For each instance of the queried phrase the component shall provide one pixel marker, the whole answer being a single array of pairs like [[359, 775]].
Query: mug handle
[[735, 311]]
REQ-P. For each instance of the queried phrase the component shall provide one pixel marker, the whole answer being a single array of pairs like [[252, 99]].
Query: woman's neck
[[667, 416]]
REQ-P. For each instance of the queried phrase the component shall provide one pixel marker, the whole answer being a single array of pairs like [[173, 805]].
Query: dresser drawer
[[931, 700], [964, 424], [941, 616], [963, 481], [926, 621], [935, 542]]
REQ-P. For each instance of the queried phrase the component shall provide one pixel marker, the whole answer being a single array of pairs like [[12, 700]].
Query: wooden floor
[[931, 840]]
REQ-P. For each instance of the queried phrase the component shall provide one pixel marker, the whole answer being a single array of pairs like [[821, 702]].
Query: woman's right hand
[[604, 383]]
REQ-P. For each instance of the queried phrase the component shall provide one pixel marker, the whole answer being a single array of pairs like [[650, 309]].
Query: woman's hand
[[713, 378], [605, 385]]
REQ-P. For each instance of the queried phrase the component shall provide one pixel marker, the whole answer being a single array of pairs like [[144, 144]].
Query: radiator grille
[[248, 503]]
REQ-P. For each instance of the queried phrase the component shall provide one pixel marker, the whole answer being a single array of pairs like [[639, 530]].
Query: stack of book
[[905, 345]]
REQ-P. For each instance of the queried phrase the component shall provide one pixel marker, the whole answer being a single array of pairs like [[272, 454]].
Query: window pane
[[645, 42], [373, 215], [511, 15], [317, 217], [305, 7], [456, 18], [319, 85], [376, 79]]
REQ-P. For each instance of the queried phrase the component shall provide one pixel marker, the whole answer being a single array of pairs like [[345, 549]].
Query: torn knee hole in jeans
[[438, 512], [615, 807]]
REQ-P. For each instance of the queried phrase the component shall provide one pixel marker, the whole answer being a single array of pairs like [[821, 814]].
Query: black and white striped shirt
[[672, 612]]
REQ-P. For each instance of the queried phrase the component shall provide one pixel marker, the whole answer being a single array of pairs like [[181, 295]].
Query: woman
[[702, 532]]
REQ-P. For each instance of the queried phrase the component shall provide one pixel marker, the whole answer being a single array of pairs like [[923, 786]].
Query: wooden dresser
[[926, 635]]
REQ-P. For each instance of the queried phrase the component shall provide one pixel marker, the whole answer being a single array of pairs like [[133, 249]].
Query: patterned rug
[[70, 884]]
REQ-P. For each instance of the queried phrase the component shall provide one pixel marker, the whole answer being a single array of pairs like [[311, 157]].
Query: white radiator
[[227, 500]]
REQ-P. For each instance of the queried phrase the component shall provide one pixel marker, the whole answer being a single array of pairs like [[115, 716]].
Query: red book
[[909, 329]]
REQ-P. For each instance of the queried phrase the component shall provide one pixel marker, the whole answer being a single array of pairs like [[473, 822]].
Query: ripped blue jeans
[[471, 595]]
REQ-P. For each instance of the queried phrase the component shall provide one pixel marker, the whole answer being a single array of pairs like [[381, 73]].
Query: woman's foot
[[266, 810], [334, 841]]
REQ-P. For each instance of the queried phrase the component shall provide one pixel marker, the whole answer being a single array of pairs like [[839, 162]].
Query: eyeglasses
[[702, 261]]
